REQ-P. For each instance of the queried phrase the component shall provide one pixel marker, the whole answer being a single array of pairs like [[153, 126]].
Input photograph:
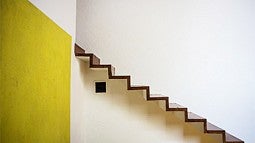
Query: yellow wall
[[35, 76]]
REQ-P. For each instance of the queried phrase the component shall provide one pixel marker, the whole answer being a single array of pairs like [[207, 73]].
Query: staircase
[[189, 117]]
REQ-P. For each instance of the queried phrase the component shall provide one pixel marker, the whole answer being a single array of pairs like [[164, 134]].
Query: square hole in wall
[[100, 87]]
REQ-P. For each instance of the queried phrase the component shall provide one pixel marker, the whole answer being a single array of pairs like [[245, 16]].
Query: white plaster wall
[[201, 53]]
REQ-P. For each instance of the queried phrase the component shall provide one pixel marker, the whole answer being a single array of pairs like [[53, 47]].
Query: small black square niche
[[100, 87]]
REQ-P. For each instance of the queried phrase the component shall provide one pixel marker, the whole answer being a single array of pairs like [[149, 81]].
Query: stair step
[[82, 57], [138, 87], [213, 129], [113, 70], [231, 139], [93, 60], [158, 97], [176, 107], [192, 117], [105, 66], [78, 50], [120, 77], [101, 66]]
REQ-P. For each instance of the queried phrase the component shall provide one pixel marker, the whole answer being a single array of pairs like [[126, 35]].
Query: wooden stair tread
[[78, 50], [176, 107], [213, 129], [138, 87], [120, 77], [86, 55], [95, 60], [231, 139], [111, 69], [158, 97], [101, 66], [194, 117], [79, 55], [82, 57]]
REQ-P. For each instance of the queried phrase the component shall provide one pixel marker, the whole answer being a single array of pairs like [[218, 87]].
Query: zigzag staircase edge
[[209, 128]]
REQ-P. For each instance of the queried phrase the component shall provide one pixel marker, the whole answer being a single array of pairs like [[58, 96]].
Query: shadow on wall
[[120, 115]]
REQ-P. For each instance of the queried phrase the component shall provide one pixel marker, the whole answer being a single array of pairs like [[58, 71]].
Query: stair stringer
[[189, 117]]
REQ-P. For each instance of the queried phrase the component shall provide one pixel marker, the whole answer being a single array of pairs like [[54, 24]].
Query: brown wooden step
[[210, 128], [120, 77], [111, 69], [158, 97], [94, 60], [176, 107], [231, 139], [78, 50], [192, 117], [101, 66], [138, 87]]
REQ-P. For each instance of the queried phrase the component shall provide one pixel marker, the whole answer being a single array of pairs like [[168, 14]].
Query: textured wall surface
[[35, 76]]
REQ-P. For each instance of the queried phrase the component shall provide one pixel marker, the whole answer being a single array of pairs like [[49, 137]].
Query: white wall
[[200, 53]]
